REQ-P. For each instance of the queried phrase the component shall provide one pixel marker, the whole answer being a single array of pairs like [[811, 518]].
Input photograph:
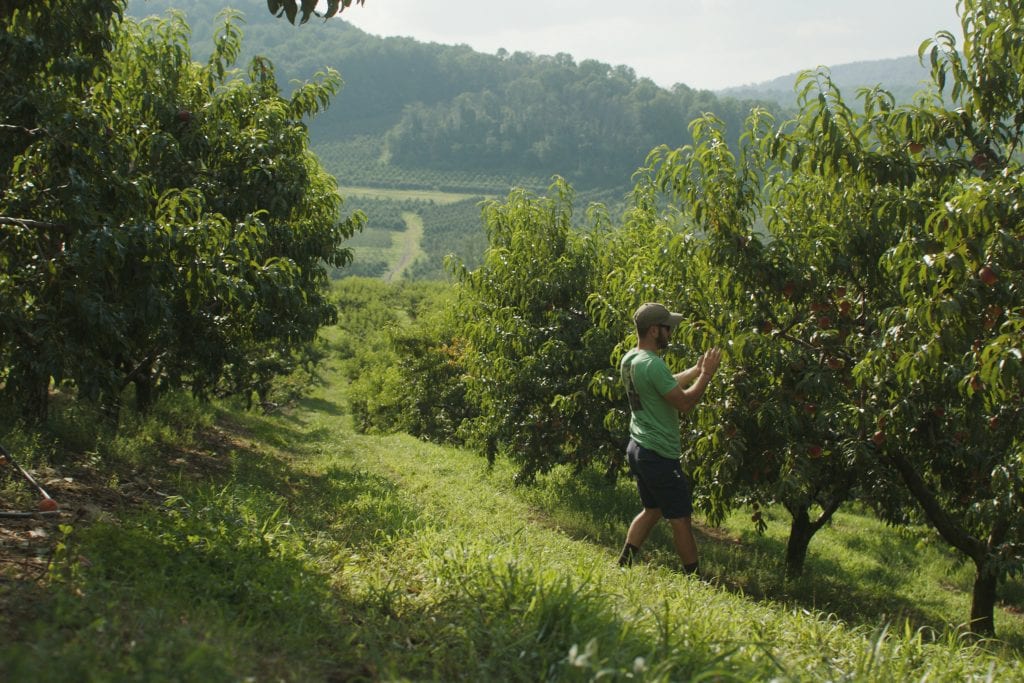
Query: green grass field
[[436, 196], [409, 232], [243, 546]]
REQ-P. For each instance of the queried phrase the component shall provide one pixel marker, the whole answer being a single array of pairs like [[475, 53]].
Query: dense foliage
[[165, 222], [403, 358], [530, 342]]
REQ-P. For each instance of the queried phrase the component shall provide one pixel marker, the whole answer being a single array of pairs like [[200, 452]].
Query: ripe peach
[[987, 275]]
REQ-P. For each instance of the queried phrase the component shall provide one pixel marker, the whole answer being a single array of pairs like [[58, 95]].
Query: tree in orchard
[[793, 226], [195, 226], [949, 375], [530, 345], [911, 216], [60, 50], [767, 430]]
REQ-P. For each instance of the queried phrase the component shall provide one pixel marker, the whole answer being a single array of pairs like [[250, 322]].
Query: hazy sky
[[703, 43]]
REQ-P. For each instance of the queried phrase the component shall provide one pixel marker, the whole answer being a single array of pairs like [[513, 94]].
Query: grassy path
[[409, 245], [469, 578]]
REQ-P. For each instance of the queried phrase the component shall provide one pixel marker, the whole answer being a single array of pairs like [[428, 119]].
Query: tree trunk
[[983, 600], [143, 394], [800, 532], [32, 392], [611, 474], [143, 379]]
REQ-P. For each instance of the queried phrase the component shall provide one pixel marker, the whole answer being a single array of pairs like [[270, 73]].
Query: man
[[656, 400]]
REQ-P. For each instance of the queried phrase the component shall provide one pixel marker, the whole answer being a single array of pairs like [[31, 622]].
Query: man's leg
[[641, 526], [686, 545], [639, 529]]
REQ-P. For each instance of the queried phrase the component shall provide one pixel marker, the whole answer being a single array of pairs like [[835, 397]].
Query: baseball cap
[[655, 314]]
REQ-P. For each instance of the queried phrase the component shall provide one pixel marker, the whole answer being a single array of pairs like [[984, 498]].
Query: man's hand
[[710, 361]]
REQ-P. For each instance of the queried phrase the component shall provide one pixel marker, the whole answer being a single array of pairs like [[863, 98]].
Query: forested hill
[[415, 105]]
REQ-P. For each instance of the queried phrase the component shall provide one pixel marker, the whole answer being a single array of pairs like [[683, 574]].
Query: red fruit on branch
[[184, 115], [814, 451], [878, 438], [915, 147], [987, 275], [992, 315]]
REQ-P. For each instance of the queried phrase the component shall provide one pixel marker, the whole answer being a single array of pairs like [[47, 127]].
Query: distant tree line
[[588, 121]]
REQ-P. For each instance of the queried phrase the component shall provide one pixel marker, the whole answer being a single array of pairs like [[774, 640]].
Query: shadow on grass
[[281, 431], [319, 405], [587, 507], [217, 585]]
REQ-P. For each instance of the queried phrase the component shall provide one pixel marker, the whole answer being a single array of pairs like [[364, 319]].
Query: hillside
[[239, 546], [902, 76], [421, 110]]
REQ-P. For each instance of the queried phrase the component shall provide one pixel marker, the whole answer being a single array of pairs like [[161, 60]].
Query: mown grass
[[303, 551]]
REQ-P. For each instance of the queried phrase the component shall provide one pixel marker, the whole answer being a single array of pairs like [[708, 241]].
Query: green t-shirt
[[654, 422]]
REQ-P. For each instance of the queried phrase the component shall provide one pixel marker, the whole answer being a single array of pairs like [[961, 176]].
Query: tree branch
[[953, 534], [21, 129], [29, 223]]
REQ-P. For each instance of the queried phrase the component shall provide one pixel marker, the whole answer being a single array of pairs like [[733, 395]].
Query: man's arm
[[684, 400], [687, 376]]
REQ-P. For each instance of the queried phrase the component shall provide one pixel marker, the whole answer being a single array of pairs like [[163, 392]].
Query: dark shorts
[[660, 482]]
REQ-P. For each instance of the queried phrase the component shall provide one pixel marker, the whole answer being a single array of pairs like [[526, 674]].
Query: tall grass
[[287, 547]]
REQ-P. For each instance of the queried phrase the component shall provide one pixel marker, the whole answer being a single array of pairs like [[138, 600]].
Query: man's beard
[[663, 337]]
